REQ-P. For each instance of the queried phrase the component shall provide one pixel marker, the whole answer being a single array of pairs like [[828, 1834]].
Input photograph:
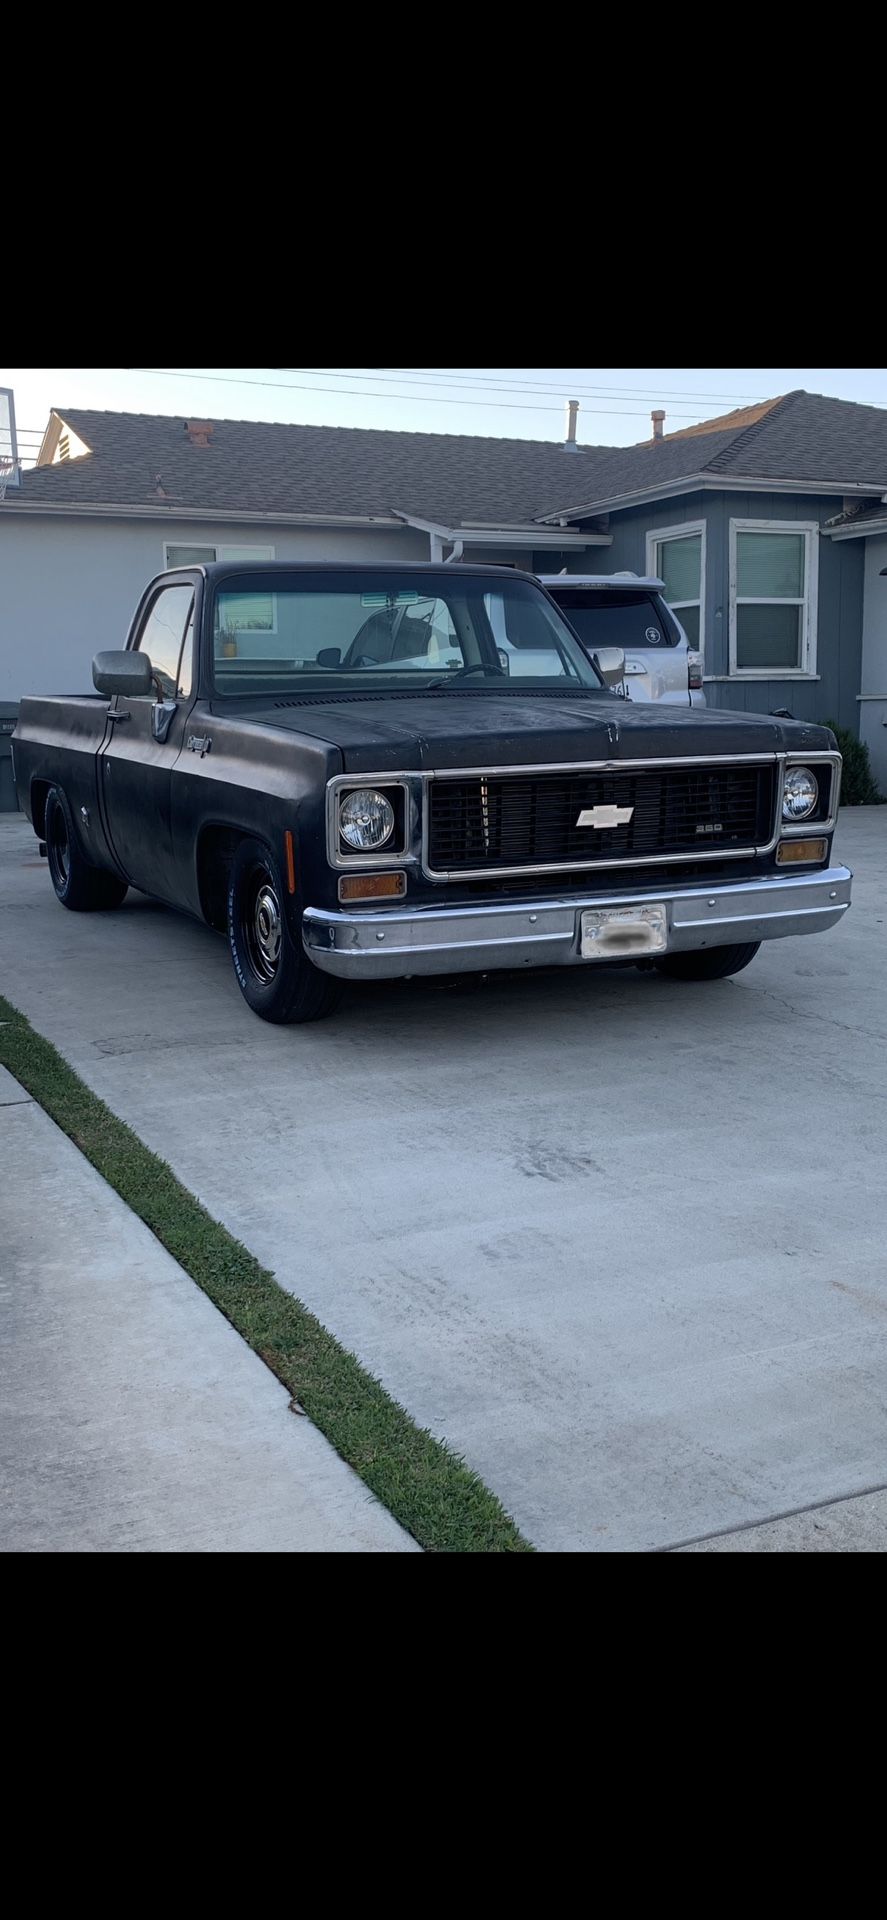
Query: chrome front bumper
[[393, 944]]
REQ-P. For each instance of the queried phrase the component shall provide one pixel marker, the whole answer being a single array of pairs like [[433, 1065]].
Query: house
[[115, 498], [767, 526], [867, 525]]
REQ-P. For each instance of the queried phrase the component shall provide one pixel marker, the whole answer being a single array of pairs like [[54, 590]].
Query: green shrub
[[859, 788]]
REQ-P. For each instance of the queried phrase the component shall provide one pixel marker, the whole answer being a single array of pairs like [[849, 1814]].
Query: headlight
[[366, 820], [800, 794]]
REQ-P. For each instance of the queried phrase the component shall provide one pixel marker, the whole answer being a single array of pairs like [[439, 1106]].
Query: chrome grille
[[529, 820]]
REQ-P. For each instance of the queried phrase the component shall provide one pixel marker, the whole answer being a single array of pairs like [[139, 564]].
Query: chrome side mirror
[[122, 672], [610, 663]]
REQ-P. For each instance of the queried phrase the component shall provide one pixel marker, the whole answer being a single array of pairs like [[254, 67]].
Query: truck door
[[146, 735]]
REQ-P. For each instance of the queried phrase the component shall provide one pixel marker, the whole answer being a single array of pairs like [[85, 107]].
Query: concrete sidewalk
[[133, 1418]]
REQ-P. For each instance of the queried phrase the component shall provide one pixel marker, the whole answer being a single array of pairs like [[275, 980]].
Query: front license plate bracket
[[623, 933]]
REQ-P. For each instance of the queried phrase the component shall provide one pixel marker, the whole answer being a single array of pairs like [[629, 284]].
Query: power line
[[493, 382], [286, 386], [500, 387], [432, 399], [648, 393]]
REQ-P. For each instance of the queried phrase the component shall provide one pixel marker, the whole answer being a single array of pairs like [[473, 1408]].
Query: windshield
[[604, 618], [310, 633]]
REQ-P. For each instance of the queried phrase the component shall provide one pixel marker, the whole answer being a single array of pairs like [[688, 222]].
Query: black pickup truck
[[348, 771]]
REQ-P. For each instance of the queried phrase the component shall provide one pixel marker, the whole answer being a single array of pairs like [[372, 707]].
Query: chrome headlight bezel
[[371, 816], [794, 809], [403, 848]]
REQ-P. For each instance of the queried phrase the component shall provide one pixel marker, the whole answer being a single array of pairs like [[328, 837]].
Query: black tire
[[78, 885], [276, 978], [707, 963]]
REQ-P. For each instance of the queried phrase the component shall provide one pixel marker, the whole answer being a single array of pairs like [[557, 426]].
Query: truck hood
[[417, 733]]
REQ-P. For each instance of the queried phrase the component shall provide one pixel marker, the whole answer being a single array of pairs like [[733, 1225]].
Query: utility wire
[[492, 382], [433, 399]]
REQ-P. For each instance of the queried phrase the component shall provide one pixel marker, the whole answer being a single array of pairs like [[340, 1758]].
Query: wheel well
[[216, 848], [39, 791]]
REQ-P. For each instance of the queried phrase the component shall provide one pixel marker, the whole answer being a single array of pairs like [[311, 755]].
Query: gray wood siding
[[840, 606]]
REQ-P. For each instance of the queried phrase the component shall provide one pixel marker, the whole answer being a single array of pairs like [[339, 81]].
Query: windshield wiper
[[463, 673]]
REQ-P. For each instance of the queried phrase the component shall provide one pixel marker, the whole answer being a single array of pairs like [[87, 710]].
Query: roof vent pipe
[[572, 409], [657, 416]]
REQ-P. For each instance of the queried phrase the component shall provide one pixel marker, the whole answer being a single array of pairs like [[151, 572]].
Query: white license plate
[[623, 933]]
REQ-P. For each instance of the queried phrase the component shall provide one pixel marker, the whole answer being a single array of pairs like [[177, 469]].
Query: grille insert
[[523, 820]]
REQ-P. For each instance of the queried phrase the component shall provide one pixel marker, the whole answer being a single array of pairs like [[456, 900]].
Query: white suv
[[626, 610]]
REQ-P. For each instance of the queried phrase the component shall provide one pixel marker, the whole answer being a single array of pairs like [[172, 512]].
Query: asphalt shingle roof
[[800, 436], [452, 479], [255, 466]]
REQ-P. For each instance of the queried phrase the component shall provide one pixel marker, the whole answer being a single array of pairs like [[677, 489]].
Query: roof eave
[[713, 483], [612, 504], [858, 529], [178, 510], [487, 534]]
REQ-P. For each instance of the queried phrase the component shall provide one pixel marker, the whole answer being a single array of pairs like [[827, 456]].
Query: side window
[[162, 634], [772, 597], [677, 556]]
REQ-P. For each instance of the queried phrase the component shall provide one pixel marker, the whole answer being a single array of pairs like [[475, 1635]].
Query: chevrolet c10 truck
[[364, 772]]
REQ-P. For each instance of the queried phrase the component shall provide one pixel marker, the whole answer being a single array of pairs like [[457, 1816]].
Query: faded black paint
[[269, 761]]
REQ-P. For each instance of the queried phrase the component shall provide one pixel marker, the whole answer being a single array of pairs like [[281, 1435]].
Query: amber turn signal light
[[372, 886], [793, 852], [290, 862]]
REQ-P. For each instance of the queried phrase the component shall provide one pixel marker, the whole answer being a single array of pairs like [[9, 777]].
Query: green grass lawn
[[425, 1485]]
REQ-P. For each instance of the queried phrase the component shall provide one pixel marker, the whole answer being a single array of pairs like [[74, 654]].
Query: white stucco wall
[[69, 586], [873, 711]]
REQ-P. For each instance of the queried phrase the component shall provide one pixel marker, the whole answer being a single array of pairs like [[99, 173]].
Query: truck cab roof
[[422, 569]]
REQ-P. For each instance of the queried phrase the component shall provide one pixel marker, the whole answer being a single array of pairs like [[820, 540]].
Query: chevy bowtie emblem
[[605, 816]]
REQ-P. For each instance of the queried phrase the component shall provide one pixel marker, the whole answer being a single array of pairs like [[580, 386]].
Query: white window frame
[[657, 537], [809, 599], [227, 551]]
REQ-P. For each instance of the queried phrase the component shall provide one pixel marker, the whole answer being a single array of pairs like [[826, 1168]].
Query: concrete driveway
[[621, 1242]]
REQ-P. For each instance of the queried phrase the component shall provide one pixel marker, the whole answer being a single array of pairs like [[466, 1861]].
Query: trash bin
[[8, 718]]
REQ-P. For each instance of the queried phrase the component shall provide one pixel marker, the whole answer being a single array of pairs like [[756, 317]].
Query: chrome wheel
[[273, 972], [264, 930]]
